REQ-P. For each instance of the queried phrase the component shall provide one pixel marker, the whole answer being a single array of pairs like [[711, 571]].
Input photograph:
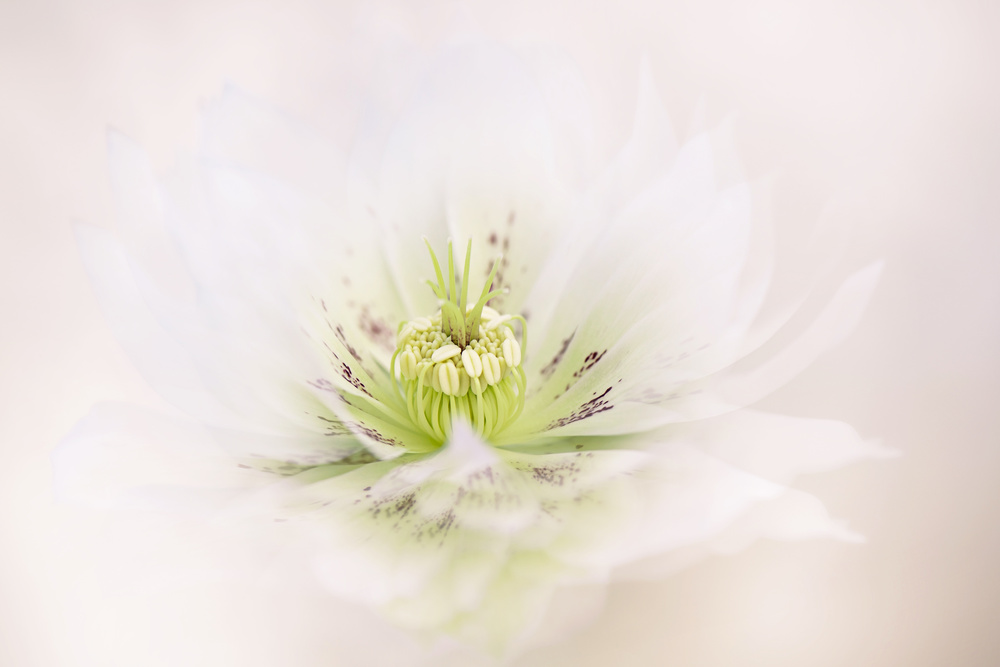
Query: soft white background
[[885, 111]]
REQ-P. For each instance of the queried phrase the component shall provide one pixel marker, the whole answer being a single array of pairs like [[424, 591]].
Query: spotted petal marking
[[454, 538]]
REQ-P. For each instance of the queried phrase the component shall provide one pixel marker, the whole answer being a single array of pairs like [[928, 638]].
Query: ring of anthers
[[463, 362]]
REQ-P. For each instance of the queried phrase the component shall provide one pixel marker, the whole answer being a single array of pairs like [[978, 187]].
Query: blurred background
[[882, 113]]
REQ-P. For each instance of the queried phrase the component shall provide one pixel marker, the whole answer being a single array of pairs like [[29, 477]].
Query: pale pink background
[[884, 110]]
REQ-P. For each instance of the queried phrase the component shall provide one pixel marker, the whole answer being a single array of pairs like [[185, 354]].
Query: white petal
[[621, 364], [260, 256], [790, 516], [240, 131], [299, 254], [228, 364], [696, 505], [142, 228], [657, 321], [182, 343], [779, 447], [613, 263], [128, 457], [568, 104], [471, 156], [161, 360], [649, 154], [838, 319], [470, 541]]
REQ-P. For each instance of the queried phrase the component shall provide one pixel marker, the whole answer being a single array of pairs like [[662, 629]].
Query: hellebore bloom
[[444, 467]]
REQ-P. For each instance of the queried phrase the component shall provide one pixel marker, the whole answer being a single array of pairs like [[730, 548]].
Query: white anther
[[508, 353], [494, 323], [404, 334], [448, 378], [491, 368], [473, 364], [408, 365], [511, 352], [445, 352], [490, 314], [497, 368], [463, 383], [420, 324]]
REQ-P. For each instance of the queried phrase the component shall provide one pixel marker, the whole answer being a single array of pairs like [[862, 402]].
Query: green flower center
[[463, 362]]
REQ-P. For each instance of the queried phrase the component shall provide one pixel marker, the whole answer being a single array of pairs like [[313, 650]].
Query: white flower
[[441, 466]]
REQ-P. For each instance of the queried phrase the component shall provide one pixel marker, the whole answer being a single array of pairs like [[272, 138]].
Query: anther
[[497, 321], [446, 352], [472, 363], [408, 365], [491, 368], [448, 378]]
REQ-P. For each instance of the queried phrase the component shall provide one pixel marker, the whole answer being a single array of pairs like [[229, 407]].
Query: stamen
[[446, 352], [463, 362], [472, 363]]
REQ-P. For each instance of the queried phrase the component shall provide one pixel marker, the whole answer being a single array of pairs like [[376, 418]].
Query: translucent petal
[[789, 516], [695, 505], [668, 315], [240, 131], [223, 380], [174, 325], [472, 155], [614, 267], [128, 457], [471, 540], [162, 361], [265, 327], [837, 320], [656, 329], [568, 106], [683, 386], [779, 447], [142, 229], [649, 153]]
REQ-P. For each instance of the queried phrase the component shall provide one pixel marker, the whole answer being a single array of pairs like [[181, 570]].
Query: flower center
[[463, 362]]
